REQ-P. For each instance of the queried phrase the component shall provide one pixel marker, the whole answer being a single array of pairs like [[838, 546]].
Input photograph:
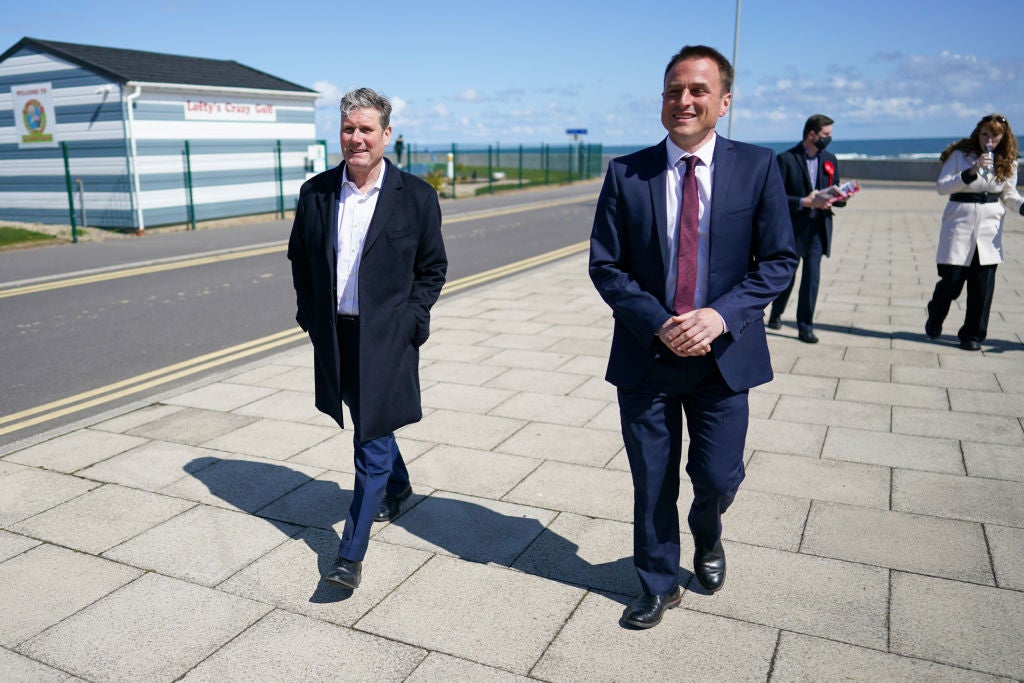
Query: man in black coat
[[368, 262], [807, 168]]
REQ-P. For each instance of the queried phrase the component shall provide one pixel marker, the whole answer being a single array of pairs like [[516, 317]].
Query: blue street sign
[[575, 131]]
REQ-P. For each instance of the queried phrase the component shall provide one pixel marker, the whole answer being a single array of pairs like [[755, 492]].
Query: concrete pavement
[[878, 535]]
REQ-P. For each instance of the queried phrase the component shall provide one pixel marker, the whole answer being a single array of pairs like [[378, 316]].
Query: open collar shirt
[[355, 211]]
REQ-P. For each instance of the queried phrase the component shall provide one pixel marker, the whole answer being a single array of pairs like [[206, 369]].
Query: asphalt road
[[77, 319]]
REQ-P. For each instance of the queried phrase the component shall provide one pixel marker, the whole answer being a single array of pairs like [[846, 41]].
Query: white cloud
[[468, 95]]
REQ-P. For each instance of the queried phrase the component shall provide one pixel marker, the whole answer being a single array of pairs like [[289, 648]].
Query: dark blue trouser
[[380, 468], [652, 428], [810, 248]]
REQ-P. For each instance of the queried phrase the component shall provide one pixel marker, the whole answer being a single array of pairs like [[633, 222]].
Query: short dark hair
[[725, 69], [816, 123], [365, 98]]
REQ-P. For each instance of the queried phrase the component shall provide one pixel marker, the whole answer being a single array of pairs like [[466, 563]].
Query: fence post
[[188, 186], [568, 155], [579, 162], [497, 154], [490, 172], [71, 195], [280, 181], [546, 157], [327, 163], [520, 165], [81, 201]]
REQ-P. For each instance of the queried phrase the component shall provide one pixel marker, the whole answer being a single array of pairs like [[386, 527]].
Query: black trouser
[[981, 284]]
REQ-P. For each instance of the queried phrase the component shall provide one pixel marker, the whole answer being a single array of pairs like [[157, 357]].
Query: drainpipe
[[133, 155]]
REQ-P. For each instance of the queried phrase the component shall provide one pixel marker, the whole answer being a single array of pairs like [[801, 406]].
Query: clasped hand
[[691, 334]]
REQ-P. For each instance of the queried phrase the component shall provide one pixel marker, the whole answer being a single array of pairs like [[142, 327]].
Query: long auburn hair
[[1005, 154]]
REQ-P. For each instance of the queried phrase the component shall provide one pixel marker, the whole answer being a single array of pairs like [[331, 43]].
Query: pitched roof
[[155, 67]]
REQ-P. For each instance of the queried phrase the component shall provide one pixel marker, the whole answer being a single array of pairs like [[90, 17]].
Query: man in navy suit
[[688, 252], [807, 168], [368, 262]]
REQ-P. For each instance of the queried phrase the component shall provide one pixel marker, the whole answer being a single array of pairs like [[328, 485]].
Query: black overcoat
[[400, 277]]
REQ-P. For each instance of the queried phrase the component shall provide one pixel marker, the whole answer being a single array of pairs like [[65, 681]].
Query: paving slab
[[834, 480], [897, 540], [779, 436], [987, 402], [242, 483], [590, 491], [945, 377], [462, 429], [153, 466], [767, 519], [27, 588], [463, 398], [985, 634], [894, 450], [136, 418], [839, 600], [71, 452], [835, 413], [288, 577], [1007, 545], [275, 439], [467, 527], [830, 367], [801, 385], [525, 342], [953, 497], [14, 544], [442, 668], [155, 629], [101, 518], [458, 372], [28, 492], [221, 396], [191, 426], [322, 502], [562, 443], [474, 472], [490, 615], [689, 645], [218, 542], [892, 394], [290, 647], [538, 407], [290, 406], [805, 658], [15, 668], [994, 461]]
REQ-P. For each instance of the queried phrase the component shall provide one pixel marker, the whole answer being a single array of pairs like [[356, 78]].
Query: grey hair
[[365, 98]]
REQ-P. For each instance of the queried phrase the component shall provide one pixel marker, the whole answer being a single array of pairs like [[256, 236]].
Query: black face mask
[[822, 142]]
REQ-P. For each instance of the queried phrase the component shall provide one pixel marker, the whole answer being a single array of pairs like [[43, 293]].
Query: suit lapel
[[656, 185], [724, 159], [386, 203], [327, 206]]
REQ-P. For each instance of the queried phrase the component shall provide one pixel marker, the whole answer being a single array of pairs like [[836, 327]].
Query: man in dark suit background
[[811, 216], [368, 262], [688, 253]]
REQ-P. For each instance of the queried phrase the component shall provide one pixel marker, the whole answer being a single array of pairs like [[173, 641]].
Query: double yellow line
[[155, 378]]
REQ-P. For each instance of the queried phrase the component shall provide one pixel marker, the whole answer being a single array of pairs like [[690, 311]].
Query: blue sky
[[523, 71]]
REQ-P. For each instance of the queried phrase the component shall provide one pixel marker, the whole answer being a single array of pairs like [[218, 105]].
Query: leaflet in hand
[[839, 192]]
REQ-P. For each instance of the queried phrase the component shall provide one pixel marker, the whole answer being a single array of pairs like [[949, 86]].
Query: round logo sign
[[35, 116]]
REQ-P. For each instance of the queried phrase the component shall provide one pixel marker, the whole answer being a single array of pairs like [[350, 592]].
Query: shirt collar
[[377, 184], [705, 152]]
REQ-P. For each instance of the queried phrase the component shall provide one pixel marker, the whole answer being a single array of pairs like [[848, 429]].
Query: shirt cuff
[[725, 328], [969, 176]]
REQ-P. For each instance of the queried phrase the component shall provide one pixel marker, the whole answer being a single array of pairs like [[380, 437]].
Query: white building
[[147, 136]]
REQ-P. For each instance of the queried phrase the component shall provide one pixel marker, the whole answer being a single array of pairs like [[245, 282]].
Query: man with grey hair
[[368, 263]]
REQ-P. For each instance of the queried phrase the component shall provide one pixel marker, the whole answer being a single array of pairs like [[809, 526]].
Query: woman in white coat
[[971, 238]]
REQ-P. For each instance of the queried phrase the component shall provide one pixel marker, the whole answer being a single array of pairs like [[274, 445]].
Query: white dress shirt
[[673, 203], [355, 211]]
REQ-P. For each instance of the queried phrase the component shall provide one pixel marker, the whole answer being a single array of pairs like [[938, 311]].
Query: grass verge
[[15, 237]]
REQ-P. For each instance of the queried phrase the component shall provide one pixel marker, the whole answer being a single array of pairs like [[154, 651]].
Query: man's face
[[693, 102], [363, 140], [825, 132]]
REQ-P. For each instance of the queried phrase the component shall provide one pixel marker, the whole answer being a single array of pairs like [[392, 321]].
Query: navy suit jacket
[[752, 258], [796, 180]]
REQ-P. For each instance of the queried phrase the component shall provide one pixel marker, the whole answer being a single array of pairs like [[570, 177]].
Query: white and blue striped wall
[[233, 163]]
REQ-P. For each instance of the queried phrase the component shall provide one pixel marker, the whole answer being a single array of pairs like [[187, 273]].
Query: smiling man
[[691, 241], [368, 263]]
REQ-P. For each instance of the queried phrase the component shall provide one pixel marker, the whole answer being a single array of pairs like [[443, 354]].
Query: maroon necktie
[[686, 240]]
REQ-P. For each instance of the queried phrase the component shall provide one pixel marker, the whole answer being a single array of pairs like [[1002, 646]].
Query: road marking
[[269, 248], [155, 378]]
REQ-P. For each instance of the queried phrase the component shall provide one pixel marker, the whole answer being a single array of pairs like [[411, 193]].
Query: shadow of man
[[447, 523]]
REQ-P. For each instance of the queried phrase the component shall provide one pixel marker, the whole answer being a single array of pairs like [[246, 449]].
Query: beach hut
[[133, 139]]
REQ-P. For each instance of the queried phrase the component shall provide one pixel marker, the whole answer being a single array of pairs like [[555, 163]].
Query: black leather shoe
[[807, 337], [932, 330], [774, 323], [647, 610], [709, 566], [346, 573], [970, 345], [391, 506]]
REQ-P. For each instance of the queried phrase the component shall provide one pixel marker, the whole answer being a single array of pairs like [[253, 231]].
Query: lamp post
[[735, 52]]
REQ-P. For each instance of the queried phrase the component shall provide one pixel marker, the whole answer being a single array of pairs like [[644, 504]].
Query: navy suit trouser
[[652, 428], [810, 246], [379, 466]]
